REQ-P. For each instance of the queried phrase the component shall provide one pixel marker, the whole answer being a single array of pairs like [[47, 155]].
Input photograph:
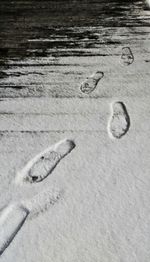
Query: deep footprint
[[91, 82], [11, 220], [119, 123], [43, 164], [127, 57]]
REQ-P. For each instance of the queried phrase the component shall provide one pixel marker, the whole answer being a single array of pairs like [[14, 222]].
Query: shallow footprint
[[119, 122], [43, 164], [91, 82], [42, 201], [127, 57], [11, 220]]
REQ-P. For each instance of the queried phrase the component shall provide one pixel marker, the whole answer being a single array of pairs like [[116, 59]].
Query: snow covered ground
[[74, 139]]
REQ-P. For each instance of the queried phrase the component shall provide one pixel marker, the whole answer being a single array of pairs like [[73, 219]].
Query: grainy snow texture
[[74, 131]]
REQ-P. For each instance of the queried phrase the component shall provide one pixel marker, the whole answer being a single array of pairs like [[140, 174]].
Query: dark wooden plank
[[48, 48]]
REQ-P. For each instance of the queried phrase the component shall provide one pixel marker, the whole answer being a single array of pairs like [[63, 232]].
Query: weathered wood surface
[[48, 48]]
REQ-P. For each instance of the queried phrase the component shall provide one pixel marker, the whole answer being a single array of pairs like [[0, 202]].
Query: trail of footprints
[[91, 82], [13, 216], [37, 169]]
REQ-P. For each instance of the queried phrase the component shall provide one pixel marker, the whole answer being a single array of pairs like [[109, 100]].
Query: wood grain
[[49, 48]]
